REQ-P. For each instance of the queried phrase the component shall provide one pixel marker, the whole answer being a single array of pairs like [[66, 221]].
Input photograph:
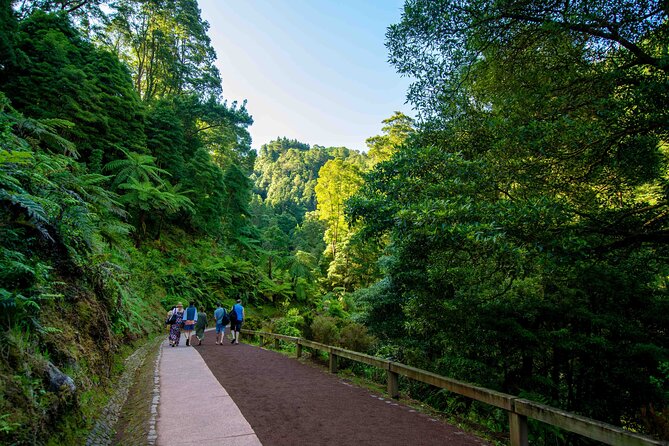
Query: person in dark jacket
[[200, 326]]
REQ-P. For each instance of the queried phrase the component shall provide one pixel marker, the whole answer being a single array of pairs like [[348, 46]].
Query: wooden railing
[[519, 409]]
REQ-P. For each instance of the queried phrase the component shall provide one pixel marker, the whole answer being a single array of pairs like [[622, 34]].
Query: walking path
[[194, 408], [279, 401]]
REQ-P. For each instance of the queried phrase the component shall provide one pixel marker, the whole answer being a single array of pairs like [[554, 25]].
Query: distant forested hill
[[286, 173]]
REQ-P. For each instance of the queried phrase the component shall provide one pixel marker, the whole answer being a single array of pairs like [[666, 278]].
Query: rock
[[59, 380]]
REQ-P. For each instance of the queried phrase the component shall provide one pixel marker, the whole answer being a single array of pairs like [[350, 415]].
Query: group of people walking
[[190, 319]]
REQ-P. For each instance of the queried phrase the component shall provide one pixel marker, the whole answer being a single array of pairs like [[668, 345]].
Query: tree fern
[[114, 232], [136, 166]]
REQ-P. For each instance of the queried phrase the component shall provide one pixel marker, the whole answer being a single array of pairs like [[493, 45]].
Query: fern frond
[[46, 131], [13, 263], [34, 210], [10, 183], [114, 232], [15, 157]]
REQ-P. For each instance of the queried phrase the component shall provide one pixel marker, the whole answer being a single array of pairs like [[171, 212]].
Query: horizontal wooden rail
[[587, 427], [519, 410], [360, 357], [497, 399]]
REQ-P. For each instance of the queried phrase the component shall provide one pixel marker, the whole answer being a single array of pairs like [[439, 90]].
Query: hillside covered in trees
[[513, 236]]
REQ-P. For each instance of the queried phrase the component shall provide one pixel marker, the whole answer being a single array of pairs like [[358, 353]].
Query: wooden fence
[[519, 409]]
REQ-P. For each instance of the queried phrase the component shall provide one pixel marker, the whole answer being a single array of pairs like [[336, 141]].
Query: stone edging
[[103, 432], [153, 434]]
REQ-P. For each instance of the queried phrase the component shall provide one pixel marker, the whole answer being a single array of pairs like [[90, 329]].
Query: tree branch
[[658, 237], [613, 36]]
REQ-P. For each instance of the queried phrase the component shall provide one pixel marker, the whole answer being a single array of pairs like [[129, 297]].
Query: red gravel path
[[290, 403]]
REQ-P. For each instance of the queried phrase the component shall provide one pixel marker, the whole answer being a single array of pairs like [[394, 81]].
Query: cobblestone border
[[153, 434], [103, 432]]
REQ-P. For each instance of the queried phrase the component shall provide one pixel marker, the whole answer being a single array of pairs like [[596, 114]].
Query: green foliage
[[165, 43], [396, 130], [525, 223], [286, 173], [354, 336], [135, 166], [62, 76], [337, 181], [236, 202], [202, 145], [324, 330], [291, 324], [71, 280], [519, 234]]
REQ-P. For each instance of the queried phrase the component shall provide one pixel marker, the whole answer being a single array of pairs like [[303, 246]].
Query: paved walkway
[[194, 408], [278, 400]]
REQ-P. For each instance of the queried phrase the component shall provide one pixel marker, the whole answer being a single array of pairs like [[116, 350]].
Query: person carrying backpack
[[222, 319], [236, 318], [189, 319]]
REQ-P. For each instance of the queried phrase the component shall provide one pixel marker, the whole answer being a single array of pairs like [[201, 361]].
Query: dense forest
[[513, 235]]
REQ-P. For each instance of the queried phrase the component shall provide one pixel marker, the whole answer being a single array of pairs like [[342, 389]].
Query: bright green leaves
[[337, 181], [396, 130], [286, 173], [165, 43]]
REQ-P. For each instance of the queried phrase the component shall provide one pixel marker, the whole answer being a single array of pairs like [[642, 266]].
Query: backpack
[[225, 320], [172, 318], [233, 315]]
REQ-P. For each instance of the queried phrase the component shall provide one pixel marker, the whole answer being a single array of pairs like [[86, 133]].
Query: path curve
[[290, 403]]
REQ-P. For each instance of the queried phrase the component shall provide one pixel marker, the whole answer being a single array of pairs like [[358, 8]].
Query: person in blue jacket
[[222, 319], [190, 318], [236, 322]]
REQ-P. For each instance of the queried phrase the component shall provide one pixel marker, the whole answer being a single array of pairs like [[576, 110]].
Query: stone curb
[[103, 432]]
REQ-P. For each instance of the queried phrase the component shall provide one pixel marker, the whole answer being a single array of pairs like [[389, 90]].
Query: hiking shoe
[[232, 342], [200, 343]]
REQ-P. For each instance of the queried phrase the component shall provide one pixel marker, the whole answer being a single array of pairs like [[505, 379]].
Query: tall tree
[[521, 214], [337, 181], [396, 130], [166, 45]]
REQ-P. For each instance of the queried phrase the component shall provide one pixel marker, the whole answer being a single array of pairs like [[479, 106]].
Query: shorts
[[220, 328], [236, 326], [189, 326]]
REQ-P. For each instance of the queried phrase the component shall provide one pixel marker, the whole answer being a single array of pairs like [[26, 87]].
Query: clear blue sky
[[312, 70]]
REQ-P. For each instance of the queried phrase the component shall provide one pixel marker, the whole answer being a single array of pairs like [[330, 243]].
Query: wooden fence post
[[276, 344], [393, 383], [333, 361], [518, 429], [299, 349]]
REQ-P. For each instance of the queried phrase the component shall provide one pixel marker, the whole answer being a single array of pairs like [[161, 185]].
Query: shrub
[[355, 337], [324, 329], [290, 324]]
